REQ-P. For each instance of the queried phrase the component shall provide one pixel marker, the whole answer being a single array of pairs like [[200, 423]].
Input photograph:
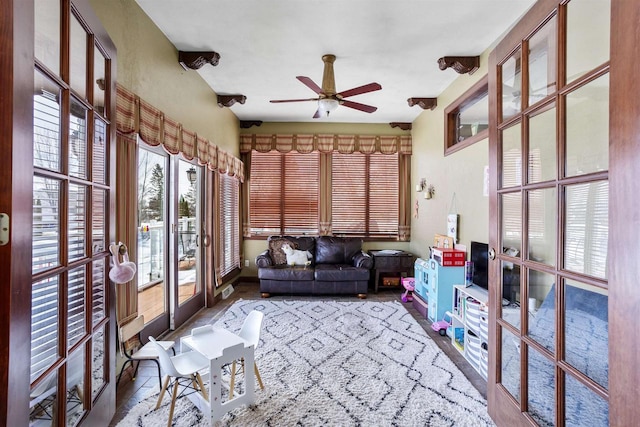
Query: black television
[[479, 255]]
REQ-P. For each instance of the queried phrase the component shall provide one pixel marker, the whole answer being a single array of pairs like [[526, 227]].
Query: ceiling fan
[[328, 99]]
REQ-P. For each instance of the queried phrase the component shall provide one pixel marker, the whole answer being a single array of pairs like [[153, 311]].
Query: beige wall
[[461, 173], [148, 65]]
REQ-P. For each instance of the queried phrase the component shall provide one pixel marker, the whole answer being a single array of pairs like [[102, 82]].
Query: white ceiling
[[265, 44]]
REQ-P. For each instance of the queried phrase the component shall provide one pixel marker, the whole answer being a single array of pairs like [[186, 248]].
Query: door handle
[[492, 254]]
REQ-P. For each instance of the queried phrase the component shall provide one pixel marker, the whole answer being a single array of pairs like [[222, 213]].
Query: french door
[[549, 232], [170, 274], [72, 191]]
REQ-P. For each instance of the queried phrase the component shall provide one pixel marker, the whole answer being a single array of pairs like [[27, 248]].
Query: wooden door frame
[[624, 219], [16, 187]]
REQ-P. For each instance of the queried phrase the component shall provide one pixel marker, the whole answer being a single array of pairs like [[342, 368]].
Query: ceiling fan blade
[[371, 87], [318, 114], [310, 84], [358, 106], [293, 100]]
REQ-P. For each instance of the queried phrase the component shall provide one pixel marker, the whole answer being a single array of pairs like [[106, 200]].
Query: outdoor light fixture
[[191, 175]]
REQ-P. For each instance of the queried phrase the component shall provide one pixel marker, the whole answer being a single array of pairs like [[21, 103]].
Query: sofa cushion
[[340, 273], [285, 272], [337, 250]]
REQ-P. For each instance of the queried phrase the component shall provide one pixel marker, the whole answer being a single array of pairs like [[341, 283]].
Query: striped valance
[[324, 143], [134, 115]]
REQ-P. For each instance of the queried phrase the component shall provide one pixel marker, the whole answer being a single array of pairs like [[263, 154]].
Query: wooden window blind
[[229, 223], [365, 194], [284, 193]]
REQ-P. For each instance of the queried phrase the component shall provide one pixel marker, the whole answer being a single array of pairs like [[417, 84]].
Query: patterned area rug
[[339, 364]]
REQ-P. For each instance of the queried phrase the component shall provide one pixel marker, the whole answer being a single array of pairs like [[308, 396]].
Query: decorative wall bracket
[[229, 100], [246, 124], [401, 125], [196, 60], [424, 103], [460, 64]]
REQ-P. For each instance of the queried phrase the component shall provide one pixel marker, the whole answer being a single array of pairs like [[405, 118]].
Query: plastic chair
[[129, 336], [184, 366], [250, 332]]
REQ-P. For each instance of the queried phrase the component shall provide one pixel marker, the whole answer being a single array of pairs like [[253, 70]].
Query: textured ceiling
[[264, 45]]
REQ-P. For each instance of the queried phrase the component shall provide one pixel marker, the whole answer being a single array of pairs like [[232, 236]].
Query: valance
[[134, 115], [326, 143]]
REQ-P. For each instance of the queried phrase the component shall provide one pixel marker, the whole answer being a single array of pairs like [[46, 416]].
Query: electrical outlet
[[246, 263]]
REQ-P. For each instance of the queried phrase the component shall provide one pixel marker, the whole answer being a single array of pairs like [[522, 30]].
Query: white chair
[[250, 332], [183, 366], [129, 336]]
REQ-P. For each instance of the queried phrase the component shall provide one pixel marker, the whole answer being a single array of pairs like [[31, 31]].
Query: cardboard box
[[442, 241], [449, 257]]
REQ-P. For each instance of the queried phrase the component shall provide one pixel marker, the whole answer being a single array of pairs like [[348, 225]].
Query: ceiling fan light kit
[[328, 100], [327, 105]]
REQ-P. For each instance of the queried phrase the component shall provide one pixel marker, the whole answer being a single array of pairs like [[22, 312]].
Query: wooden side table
[[387, 261]]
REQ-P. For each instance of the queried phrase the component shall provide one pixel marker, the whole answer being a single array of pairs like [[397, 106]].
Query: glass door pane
[[78, 57], [510, 372], [152, 226], [541, 308], [542, 62], [588, 27], [587, 330], [541, 388], [512, 86], [542, 146], [188, 231], [587, 142], [511, 156], [542, 227], [587, 228], [47, 34]]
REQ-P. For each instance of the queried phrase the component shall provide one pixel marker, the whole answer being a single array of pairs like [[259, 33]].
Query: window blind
[[229, 223], [284, 193], [364, 197]]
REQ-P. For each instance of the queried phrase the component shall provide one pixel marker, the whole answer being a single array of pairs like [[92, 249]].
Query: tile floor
[[129, 392]]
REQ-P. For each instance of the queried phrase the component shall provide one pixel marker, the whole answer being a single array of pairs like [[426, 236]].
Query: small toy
[[409, 286], [441, 326]]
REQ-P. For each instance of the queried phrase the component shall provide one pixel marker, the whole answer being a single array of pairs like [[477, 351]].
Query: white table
[[221, 347]]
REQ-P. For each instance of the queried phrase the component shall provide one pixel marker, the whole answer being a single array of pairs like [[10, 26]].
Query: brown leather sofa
[[338, 266]]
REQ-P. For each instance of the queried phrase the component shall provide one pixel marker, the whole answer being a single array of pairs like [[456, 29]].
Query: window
[[284, 193], [229, 223], [358, 193], [467, 118], [364, 196]]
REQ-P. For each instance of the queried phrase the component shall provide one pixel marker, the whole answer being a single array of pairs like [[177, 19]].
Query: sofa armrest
[[363, 260], [264, 259]]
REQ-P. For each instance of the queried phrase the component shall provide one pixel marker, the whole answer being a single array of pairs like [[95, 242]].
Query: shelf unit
[[470, 325]]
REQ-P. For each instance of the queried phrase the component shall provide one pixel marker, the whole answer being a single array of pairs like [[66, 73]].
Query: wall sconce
[[428, 190]]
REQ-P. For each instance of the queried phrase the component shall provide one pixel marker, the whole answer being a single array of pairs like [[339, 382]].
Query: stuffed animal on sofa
[[296, 257]]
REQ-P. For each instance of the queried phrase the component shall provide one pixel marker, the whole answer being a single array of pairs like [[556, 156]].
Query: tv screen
[[480, 258]]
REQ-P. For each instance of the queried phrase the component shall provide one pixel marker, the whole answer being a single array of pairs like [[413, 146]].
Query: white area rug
[[339, 364]]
